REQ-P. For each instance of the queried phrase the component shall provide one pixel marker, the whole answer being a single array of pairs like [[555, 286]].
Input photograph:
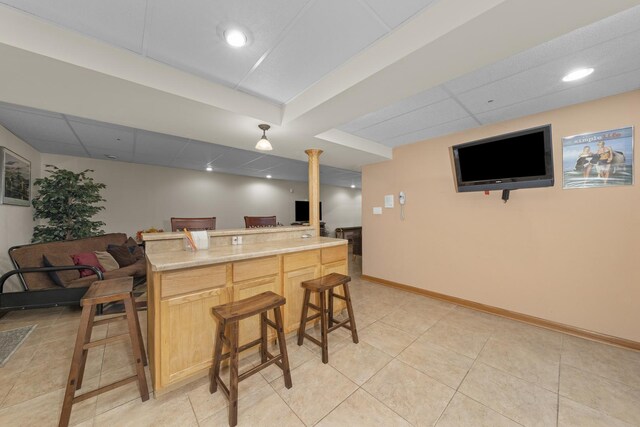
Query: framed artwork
[[15, 175], [598, 159]]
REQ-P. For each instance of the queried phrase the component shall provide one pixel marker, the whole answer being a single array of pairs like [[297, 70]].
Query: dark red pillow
[[87, 258]]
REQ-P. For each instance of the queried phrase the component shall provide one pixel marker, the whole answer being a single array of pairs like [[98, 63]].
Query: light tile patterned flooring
[[419, 362]]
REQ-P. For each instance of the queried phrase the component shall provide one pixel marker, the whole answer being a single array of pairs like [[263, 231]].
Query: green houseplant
[[68, 201]]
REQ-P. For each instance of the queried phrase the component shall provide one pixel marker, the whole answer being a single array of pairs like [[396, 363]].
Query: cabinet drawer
[[334, 253], [301, 260], [253, 268], [193, 279]]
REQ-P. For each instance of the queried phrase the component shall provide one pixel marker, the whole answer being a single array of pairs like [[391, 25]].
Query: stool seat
[[108, 291], [248, 307], [325, 282], [229, 316]]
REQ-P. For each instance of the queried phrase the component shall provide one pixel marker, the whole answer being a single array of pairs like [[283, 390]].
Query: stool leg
[[303, 317], [87, 338], [263, 337], [323, 327], [144, 353], [217, 359], [283, 348], [70, 390], [352, 319], [136, 344], [233, 376], [331, 307]]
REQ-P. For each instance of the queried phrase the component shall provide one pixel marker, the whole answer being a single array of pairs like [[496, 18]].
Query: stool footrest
[[339, 296], [310, 318], [315, 307], [312, 339], [109, 320], [258, 368], [342, 324], [102, 341], [104, 389], [271, 323], [242, 348]]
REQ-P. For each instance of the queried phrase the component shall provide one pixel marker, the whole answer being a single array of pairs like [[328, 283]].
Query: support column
[[314, 188]]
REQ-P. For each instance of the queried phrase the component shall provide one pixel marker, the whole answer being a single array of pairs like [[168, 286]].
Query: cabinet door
[[294, 294], [188, 330], [250, 328], [341, 268]]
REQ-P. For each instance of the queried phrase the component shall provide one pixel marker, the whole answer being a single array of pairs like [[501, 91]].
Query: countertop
[[166, 261]]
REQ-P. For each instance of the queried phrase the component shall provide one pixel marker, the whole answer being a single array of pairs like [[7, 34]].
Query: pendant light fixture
[[264, 143]]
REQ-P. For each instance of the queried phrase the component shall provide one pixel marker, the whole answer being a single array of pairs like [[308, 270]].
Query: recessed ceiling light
[[577, 74], [209, 169], [268, 176], [235, 38], [353, 186], [111, 157]]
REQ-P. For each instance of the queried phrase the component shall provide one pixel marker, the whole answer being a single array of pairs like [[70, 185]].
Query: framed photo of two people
[[598, 159]]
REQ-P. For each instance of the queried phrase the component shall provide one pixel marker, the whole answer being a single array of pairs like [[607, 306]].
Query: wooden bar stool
[[99, 293], [229, 315], [325, 285]]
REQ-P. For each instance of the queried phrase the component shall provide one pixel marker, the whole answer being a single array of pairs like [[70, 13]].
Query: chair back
[[259, 221], [178, 224]]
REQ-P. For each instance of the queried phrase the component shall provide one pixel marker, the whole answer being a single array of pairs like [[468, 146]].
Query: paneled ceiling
[[152, 81]]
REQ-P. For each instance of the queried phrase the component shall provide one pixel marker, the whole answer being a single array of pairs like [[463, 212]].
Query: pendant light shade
[[264, 143]]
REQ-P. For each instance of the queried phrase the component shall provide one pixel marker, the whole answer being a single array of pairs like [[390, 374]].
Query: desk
[[353, 235]]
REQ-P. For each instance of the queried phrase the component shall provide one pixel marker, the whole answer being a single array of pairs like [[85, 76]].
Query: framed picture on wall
[[15, 175], [598, 159]]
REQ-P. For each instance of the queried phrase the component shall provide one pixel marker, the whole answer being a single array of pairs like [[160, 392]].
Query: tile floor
[[419, 362]]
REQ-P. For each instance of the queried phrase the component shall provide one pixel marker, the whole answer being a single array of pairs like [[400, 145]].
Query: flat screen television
[[522, 159], [302, 211]]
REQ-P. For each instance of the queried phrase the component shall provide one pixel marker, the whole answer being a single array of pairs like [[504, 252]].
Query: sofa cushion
[[122, 255], [106, 260], [60, 260], [87, 258]]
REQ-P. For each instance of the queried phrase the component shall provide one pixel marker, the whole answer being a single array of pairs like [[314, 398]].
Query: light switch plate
[[388, 201], [377, 211]]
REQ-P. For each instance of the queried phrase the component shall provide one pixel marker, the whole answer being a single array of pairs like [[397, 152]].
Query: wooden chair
[[101, 292], [229, 315], [325, 285], [179, 224], [259, 221]]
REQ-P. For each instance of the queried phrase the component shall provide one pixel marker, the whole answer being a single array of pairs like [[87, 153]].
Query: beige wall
[[16, 223], [570, 256], [143, 196]]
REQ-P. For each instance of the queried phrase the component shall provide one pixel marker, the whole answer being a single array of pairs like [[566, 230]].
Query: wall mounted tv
[[522, 159], [302, 211]]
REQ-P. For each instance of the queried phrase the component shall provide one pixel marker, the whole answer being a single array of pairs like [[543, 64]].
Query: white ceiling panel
[[150, 143], [57, 148], [432, 115], [324, 36], [37, 126], [399, 108], [608, 59], [93, 134], [581, 93], [570, 44], [233, 157], [102, 153], [394, 13], [200, 153], [118, 22], [263, 163], [197, 45], [433, 132]]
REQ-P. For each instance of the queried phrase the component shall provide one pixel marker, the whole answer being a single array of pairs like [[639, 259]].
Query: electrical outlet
[[239, 240], [234, 240]]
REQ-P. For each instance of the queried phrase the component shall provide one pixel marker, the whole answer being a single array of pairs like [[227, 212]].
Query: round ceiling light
[[209, 169], [353, 186], [235, 38], [577, 74], [268, 176]]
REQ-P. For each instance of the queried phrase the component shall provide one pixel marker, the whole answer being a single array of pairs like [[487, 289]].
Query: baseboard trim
[[537, 321]]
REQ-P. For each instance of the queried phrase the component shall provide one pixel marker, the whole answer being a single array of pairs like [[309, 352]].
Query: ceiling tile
[[118, 22], [95, 134], [200, 153], [102, 153], [432, 132], [264, 162], [394, 13], [57, 148], [30, 124], [233, 157], [156, 145], [435, 114], [324, 36], [196, 44]]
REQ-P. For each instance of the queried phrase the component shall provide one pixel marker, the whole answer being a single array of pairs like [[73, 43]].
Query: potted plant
[[67, 201]]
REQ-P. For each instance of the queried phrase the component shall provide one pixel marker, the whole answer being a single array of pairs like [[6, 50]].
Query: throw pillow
[[121, 254], [87, 258], [106, 260], [135, 249], [61, 277]]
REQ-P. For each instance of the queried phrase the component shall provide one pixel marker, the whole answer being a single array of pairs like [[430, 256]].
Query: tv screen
[[302, 211], [522, 159]]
